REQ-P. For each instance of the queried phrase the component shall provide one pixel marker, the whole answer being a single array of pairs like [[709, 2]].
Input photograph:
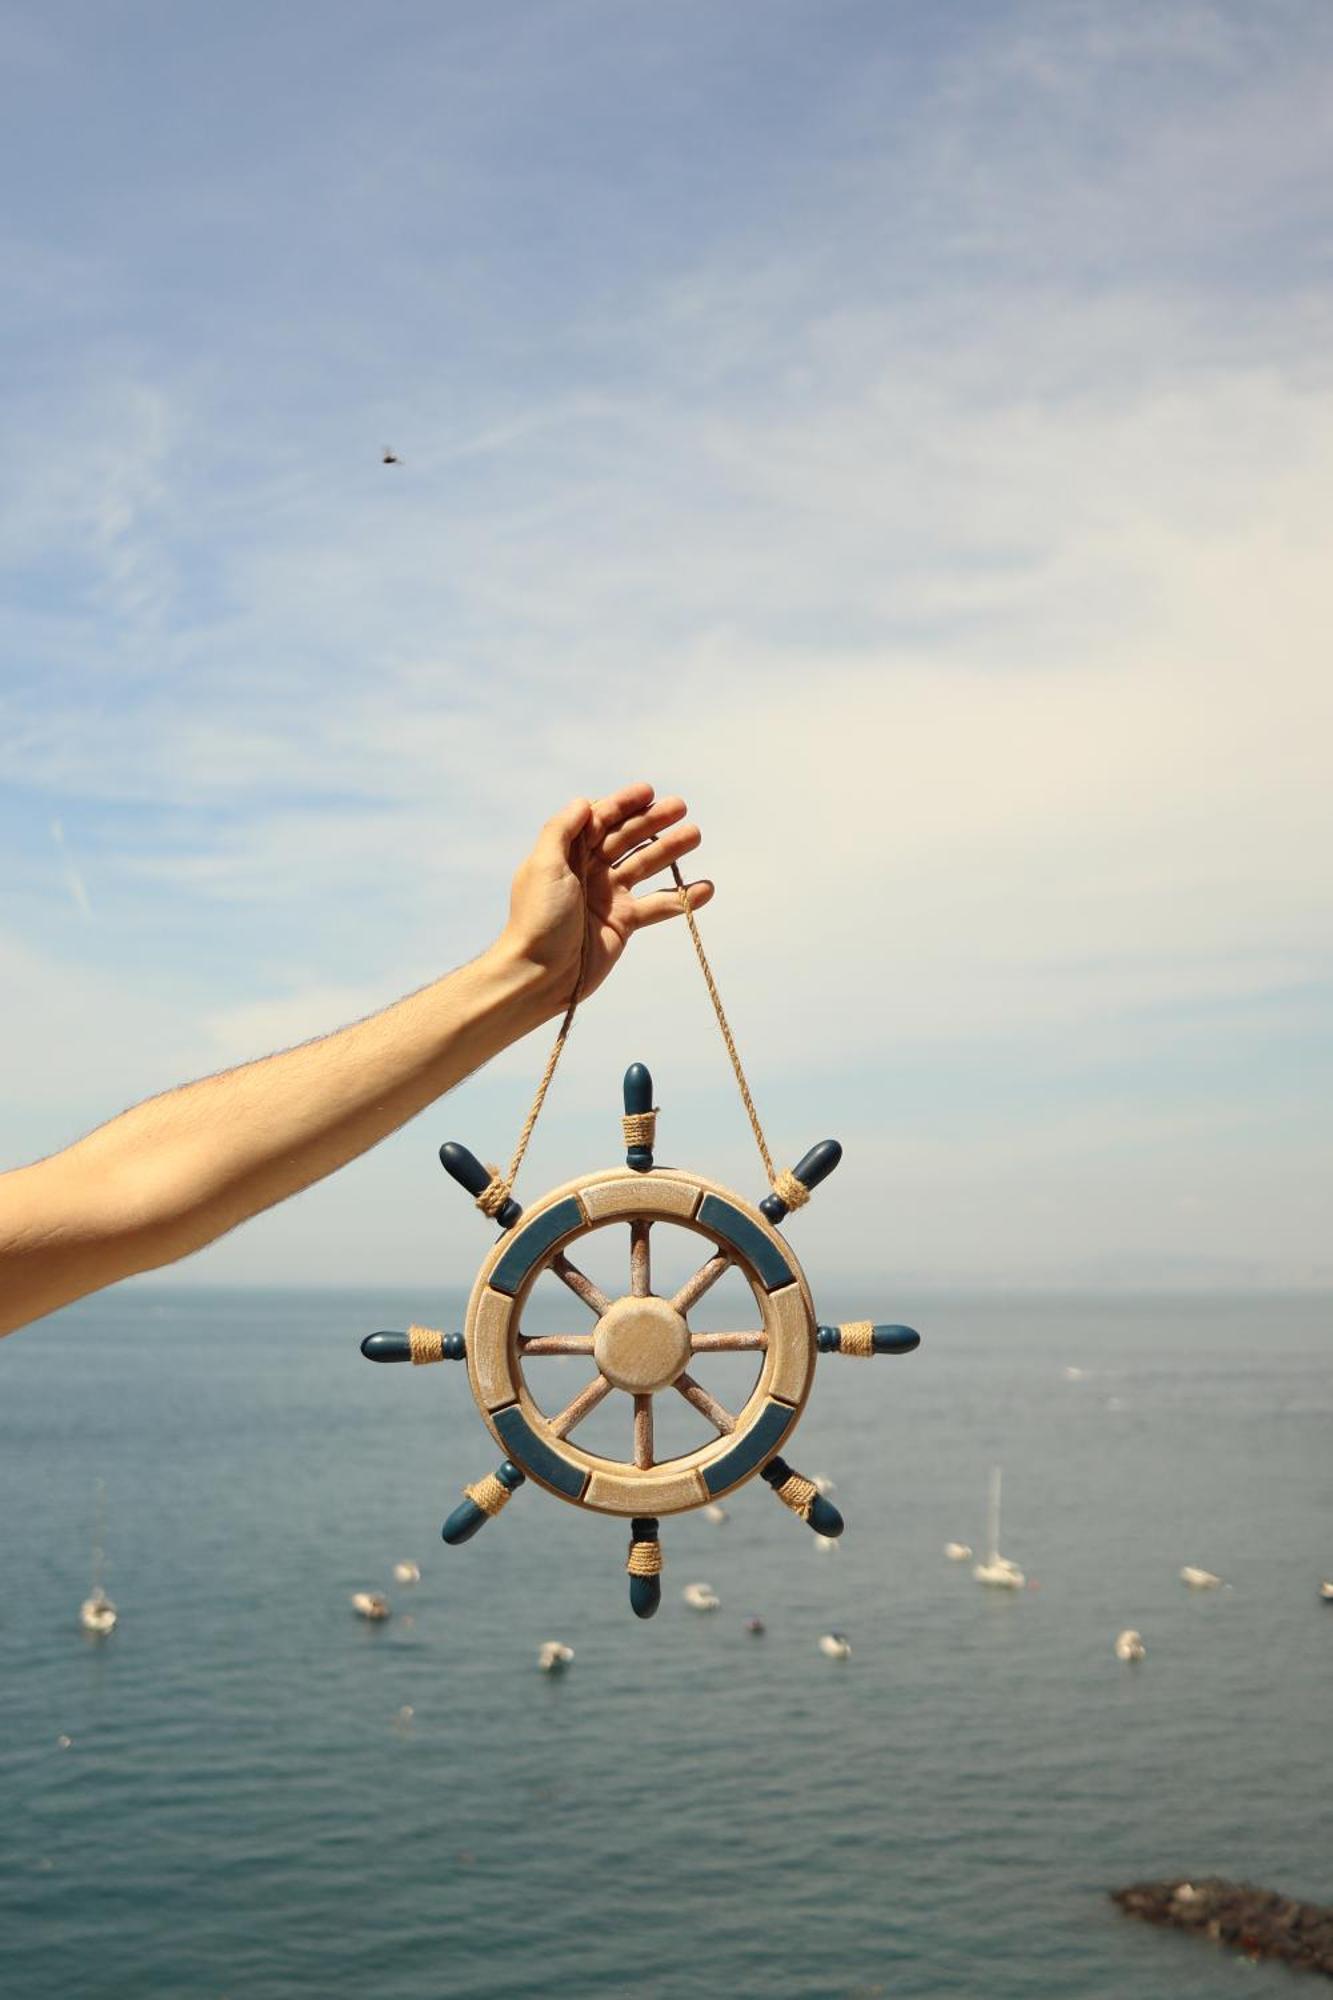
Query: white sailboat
[[997, 1570], [97, 1614]]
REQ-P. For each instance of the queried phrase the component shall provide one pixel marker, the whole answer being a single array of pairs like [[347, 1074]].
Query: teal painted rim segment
[[532, 1242], [775, 1420], [536, 1457], [720, 1219]]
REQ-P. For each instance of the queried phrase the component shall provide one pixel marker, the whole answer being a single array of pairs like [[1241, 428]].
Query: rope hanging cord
[[640, 1127], [500, 1187], [781, 1184]]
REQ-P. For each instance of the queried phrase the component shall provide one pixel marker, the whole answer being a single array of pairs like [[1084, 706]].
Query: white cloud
[[964, 563]]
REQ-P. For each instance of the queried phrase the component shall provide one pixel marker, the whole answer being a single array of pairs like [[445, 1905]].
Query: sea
[[247, 1792]]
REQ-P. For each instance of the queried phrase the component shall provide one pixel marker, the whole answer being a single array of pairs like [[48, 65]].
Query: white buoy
[[826, 1545], [717, 1515], [1129, 1645], [370, 1604], [822, 1483], [835, 1646], [1199, 1579], [701, 1597], [406, 1572], [554, 1656], [958, 1552]]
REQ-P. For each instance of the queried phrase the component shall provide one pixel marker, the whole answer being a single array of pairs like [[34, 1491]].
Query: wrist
[[522, 981]]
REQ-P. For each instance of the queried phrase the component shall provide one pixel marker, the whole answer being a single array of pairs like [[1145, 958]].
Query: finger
[[661, 904], [657, 854], [617, 807], [557, 837], [642, 826]]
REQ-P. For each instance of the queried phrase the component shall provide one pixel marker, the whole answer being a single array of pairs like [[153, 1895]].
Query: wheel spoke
[[584, 1287], [583, 1404], [643, 1432], [555, 1343], [706, 1276], [721, 1419], [728, 1343], [640, 1265]]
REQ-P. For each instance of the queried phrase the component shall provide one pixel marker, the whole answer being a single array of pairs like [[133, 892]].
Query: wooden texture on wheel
[[552, 1226]]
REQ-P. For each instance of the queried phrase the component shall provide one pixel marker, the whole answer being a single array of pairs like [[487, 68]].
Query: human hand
[[588, 861]]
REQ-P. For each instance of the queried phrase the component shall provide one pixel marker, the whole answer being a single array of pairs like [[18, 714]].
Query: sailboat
[[997, 1569], [97, 1614]]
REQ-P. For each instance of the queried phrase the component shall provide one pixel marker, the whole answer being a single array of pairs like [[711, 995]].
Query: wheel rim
[[640, 1334]]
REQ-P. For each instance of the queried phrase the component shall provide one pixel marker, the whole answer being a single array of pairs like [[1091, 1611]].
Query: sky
[[906, 431]]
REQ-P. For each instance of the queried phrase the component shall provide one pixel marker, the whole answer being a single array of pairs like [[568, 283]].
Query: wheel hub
[[641, 1344]]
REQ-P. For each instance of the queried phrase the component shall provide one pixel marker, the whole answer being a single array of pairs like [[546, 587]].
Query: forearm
[[171, 1175], [176, 1172]]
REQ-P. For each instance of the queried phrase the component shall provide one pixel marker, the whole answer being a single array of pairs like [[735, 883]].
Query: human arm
[[180, 1170]]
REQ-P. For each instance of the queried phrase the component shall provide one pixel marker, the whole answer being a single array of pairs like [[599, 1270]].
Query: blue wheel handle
[[465, 1168]]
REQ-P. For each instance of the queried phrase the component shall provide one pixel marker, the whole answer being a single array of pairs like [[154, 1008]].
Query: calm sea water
[[226, 1798]]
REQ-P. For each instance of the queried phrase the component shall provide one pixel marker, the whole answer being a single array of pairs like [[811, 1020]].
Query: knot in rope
[[791, 1192], [495, 1193]]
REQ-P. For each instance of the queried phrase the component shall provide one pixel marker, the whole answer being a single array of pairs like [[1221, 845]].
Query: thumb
[[563, 829]]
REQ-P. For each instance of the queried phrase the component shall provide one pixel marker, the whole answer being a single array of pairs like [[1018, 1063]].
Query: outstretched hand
[[605, 848]]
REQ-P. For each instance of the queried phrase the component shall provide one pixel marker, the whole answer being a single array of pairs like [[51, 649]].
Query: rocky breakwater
[[1258, 1922]]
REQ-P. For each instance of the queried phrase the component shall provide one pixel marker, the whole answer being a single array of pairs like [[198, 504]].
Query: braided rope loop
[[640, 1127], [798, 1493], [490, 1494], [426, 1344], [645, 1559]]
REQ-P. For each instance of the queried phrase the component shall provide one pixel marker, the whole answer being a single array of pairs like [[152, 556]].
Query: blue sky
[[905, 430]]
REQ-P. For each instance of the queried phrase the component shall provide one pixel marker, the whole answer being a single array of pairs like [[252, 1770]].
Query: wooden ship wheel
[[639, 1341]]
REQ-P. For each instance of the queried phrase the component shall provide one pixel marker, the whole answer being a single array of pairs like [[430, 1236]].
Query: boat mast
[[99, 1536], [993, 1552]]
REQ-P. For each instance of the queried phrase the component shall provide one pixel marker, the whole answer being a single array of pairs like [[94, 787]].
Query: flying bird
[[391, 457]]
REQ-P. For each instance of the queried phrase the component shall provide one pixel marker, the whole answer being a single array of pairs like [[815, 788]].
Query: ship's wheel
[[639, 1341]]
